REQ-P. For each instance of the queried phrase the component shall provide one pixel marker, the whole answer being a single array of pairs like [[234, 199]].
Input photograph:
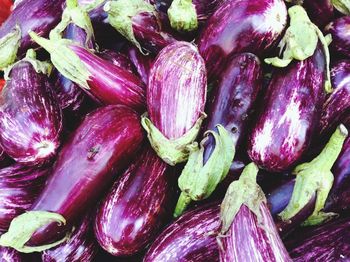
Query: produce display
[[174, 130]]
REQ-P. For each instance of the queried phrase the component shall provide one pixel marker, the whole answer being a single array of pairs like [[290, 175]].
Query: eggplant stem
[[182, 204]]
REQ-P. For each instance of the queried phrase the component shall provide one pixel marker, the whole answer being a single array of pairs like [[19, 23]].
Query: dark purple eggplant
[[88, 163], [228, 110], [117, 59], [288, 119], [141, 62], [20, 186], [337, 104], [103, 81], [137, 207], [339, 29], [30, 116], [176, 95], [81, 246], [137, 21], [321, 12], [10, 255], [39, 16], [241, 26]]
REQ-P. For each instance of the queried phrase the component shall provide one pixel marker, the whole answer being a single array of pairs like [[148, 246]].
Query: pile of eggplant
[[174, 131]]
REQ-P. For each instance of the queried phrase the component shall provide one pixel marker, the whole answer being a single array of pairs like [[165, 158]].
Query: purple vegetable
[[241, 26], [117, 59], [20, 186], [321, 12], [30, 116], [81, 246], [339, 29], [103, 81], [290, 114], [141, 62], [39, 16], [176, 95], [337, 104], [10, 255], [102, 146], [137, 207]]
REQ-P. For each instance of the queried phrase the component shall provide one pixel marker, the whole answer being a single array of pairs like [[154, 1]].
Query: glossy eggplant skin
[[192, 237], [175, 107], [10, 255], [39, 16], [240, 26], [137, 207], [20, 186], [141, 62], [81, 246], [118, 59], [337, 104], [339, 29], [232, 101], [290, 114], [30, 116], [321, 12], [102, 146]]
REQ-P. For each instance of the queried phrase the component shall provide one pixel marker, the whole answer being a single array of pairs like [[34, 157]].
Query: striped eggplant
[[10, 255], [321, 12], [289, 116], [117, 59], [339, 29], [137, 21], [229, 110], [241, 26], [336, 104], [141, 62], [5, 10], [103, 81], [81, 246], [137, 207], [30, 116], [39, 16], [19, 187], [176, 95], [102, 146]]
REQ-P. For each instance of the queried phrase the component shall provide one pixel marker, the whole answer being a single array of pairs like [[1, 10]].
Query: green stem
[[182, 204], [72, 3], [183, 16]]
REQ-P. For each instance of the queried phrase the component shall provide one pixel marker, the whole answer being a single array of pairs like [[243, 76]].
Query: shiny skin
[[321, 12], [176, 91], [10, 255], [117, 59], [137, 207], [141, 62], [340, 31]]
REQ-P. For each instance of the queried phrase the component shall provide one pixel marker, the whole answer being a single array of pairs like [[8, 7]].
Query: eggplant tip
[[343, 130], [45, 149]]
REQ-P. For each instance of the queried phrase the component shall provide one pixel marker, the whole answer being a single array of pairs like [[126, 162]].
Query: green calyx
[[244, 191], [93, 5], [300, 42], [64, 59], [343, 6], [183, 16], [24, 226], [172, 151], [73, 14], [120, 14], [9, 45], [315, 177], [198, 181]]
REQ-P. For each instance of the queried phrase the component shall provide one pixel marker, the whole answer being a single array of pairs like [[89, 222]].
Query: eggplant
[[30, 116], [340, 40], [81, 246], [137, 207], [336, 104], [241, 26], [117, 59], [192, 237], [176, 95], [10, 255], [20, 186], [39, 16], [103, 81], [5, 10], [288, 119], [321, 12], [136, 20], [141, 62], [101, 147], [229, 110]]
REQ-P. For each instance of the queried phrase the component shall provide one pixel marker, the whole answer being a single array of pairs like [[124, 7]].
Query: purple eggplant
[[289, 116], [228, 110], [339, 29], [141, 62], [30, 116], [336, 104], [321, 12], [241, 26], [10, 255], [39, 16], [102, 146], [81, 246], [117, 59], [137, 22], [176, 95], [103, 81], [137, 207]]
